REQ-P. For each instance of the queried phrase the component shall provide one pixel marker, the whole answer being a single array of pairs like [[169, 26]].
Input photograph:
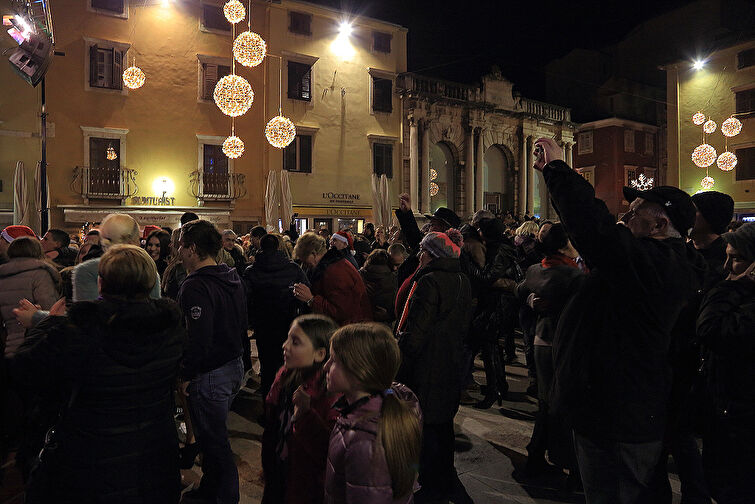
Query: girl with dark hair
[[378, 434], [299, 416], [158, 248]]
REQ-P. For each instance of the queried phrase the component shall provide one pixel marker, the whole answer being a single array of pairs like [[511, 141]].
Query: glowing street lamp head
[[698, 65], [345, 28]]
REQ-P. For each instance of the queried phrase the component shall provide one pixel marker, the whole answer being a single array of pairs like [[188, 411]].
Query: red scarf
[[558, 260]]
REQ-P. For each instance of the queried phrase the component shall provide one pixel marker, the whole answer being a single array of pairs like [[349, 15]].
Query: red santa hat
[[345, 237], [148, 229], [10, 233]]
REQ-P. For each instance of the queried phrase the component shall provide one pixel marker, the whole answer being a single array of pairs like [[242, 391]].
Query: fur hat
[[717, 208], [10, 233]]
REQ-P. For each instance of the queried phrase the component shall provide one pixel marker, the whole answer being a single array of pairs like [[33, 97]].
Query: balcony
[[217, 186], [104, 183], [546, 110], [426, 85]]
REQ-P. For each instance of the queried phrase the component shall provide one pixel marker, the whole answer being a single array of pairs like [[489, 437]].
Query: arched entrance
[[442, 177], [498, 180]]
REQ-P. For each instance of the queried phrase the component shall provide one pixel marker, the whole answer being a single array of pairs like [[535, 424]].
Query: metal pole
[[44, 217]]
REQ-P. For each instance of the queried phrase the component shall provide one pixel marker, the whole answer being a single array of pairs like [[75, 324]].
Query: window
[[584, 143], [588, 173], [109, 6], [299, 81], [300, 23], [628, 140], [382, 159], [746, 101], [297, 157], [746, 58], [630, 173], [381, 42], [214, 19], [211, 74], [214, 170], [102, 177], [650, 174], [382, 95], [105, 67], [745, 163], [649, 141]]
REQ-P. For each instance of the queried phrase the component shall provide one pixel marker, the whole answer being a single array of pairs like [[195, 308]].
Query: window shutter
[[305, 153], [289, 156], [210, 79], [93, 74], [117, 69]]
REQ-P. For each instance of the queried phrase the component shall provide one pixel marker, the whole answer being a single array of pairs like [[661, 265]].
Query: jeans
[[210, 397], [613, 472]]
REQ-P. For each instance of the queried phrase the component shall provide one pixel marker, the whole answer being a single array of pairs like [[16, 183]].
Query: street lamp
[[698, 64], [341, 46]]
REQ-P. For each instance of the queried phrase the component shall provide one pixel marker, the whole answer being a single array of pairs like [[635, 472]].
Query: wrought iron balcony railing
[[217, 186], [104, 183]]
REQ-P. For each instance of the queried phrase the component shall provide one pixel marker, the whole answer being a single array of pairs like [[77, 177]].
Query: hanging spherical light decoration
[[710, 126], [433, 174], [110, 153], [698, 118], [731, 127], [234, 11], [233, 95], [434, 188], [133, 77], [233, 147], [727, 161], [280, 131], [704, 155], [707, 182], [249, 49]]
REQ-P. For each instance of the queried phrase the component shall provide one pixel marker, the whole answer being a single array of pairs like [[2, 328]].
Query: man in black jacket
[[214, 306], [611, 349]]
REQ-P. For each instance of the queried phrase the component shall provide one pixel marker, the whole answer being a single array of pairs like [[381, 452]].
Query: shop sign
[[341, 198], [153, 200]]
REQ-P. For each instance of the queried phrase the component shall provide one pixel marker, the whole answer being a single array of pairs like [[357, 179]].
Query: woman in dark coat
[[431, 331], [118, 359], [380, 281]]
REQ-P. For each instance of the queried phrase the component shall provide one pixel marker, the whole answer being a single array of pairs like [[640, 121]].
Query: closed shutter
[[745, 169], [382, 95], [289, 155], [93, 66], [305, 153], [210, 79], [117, 69]]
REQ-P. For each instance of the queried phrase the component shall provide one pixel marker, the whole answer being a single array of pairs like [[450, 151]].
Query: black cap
[[446, 215], [717, 208], [676, 203]]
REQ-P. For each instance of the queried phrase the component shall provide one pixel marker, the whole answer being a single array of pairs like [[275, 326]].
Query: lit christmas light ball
[[727, 161], [249, 49], [234, 11], [233, 95], [110, 153], [709, 127], [280, 131], [434, 188], [731, 127], [704, 155], [707, 182], [433, 174], [698, 118], [233, 147], [133, 77]]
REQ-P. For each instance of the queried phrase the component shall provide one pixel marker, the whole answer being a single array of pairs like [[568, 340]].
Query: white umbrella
[[271, 202], [20, 201], [287, 203], [377, 208], [385, 201]]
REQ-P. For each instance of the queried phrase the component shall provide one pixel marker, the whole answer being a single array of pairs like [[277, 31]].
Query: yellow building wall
[[709, 90]]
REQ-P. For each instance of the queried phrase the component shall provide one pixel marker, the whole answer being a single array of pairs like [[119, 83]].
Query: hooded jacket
[[117, 442], [24, 278], [380, 281], [611, 347], [356, 471], [339, 290], [214, 306], [271, 302]]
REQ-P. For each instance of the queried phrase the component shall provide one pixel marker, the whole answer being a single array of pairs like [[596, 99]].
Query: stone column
[[479, 189], [425, 189], [568, 154], [530, 177], [470, 178], [522, 174], [414, 164]]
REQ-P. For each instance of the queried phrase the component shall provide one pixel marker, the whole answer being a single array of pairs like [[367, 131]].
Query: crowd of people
[[638, 341]]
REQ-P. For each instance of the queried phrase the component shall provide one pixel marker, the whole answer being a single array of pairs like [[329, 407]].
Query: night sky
[[461, 40]]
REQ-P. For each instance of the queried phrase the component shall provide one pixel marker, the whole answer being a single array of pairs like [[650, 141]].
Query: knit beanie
[[743, 239], [10, 233], [717, 208], [440, 245]]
